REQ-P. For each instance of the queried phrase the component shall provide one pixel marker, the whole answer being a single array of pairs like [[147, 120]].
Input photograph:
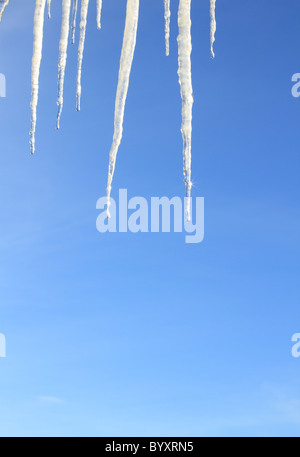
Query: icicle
[[3, 5], [83, 22], [62, 60], [167, 25], [128, 48], [74, 17], [213, 26], [99, 8], [185, 79], [36, 62], [49, 9]]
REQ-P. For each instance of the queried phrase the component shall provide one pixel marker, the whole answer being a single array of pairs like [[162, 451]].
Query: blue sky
[[142, 334]]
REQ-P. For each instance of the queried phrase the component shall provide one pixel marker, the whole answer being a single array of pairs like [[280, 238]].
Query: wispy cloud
[[49, 399]]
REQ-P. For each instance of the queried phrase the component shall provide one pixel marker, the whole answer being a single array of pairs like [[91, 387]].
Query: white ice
[[3, 5], [36, 62], [128, 48], [213, 26], [83, 23], [62, 59], [127, 54], [74, 17], [99, 9], [185, 79], [167, 25], [49, 9]]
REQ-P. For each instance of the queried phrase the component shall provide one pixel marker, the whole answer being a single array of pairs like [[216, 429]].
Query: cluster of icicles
[[69, 16]]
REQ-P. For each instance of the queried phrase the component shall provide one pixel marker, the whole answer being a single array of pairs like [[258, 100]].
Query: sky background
[[142, 334]]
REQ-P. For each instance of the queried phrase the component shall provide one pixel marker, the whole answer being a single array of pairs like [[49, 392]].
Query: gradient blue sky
[[141, 334]]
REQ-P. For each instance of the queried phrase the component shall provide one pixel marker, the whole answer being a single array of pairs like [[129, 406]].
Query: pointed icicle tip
[[49, 9], [38, 30], [62, 60], [99, 9], [127, 54], [213, 27], [186, 89]]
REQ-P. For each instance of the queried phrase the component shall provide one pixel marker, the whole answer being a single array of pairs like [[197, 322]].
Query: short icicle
[[62, 60], [83, 23], [99, 9], [74, 17], [213, 26], [49, 9], [167, 25], [38, 30], [185, 80], [128, 48]]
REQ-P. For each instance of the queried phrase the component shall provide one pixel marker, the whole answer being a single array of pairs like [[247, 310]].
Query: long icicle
[[83, 22], [185, 79], [36, 63], [74, 17], [213, 26], [49, 9], [167, 25], [99, 9], [128, 48], [62, 60], [3, 5]]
